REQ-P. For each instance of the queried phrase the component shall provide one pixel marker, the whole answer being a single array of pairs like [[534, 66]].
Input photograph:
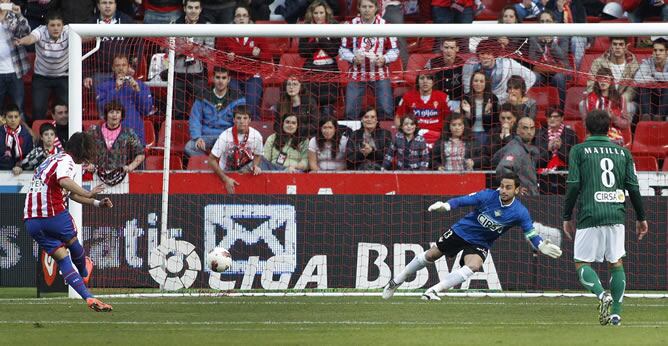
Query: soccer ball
[[219, 259]]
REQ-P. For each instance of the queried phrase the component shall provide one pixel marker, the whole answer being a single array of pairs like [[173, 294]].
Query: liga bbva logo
[[245, 226]]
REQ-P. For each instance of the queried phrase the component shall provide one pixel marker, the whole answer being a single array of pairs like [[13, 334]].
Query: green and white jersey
[[602, 171]]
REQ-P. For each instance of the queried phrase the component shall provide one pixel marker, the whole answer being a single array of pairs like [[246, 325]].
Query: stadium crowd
[[447, 104]]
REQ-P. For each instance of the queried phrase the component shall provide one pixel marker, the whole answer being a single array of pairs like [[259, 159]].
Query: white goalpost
[[78, 32]]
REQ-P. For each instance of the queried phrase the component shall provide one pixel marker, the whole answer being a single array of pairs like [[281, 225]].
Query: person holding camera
[[133, 94]]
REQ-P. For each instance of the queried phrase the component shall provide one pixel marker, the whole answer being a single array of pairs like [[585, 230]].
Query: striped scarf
[[552, 135], [13, 142]]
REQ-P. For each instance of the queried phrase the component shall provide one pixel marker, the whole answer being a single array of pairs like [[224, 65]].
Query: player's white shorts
[[600, 243]]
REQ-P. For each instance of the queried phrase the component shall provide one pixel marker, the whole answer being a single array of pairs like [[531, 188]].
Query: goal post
[[310, 243]]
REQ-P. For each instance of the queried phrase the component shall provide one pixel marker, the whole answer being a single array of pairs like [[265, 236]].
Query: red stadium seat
[[582, 75], [578, 127], [389, 125], [646, 163], [573, 97], [198, 163], [180, 135], [290, 64], [665, 164], [266, 128], [651, 139], [149, 133], [270, 97], [415, 64], [544, 96], [155, 162]]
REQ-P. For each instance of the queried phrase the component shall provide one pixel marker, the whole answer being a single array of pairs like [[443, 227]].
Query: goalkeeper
[[496, 211]]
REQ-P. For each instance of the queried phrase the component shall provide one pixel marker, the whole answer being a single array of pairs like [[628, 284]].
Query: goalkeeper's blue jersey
[[490, 219]]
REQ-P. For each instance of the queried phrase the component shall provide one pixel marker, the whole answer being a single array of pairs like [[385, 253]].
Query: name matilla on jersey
[[617, 196]]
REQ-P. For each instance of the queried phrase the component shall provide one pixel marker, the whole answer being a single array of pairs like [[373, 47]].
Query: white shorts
[[600, 243]]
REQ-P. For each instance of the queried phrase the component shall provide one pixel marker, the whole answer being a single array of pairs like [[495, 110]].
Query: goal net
[[351, 230]]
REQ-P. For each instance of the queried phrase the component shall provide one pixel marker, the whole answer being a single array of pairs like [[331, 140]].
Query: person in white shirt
[[654, 99], [238, 148], [51, 62]]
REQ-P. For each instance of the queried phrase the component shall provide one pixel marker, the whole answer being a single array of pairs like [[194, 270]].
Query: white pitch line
[[35, 301], [522, 324]]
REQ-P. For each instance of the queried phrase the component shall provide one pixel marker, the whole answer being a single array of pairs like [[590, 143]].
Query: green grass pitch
[[328, 320]]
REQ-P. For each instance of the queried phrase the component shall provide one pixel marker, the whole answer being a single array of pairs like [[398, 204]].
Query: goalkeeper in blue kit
[[496, 211]]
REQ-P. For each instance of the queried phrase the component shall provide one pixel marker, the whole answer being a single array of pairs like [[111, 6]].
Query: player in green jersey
[[599, 172]]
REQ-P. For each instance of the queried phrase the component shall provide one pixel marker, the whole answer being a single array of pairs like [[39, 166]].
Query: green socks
[[590, 280], [617, 287]]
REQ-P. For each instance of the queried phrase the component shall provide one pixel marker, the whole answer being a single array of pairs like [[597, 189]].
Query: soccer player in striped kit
[[599, 171], [48, 221]]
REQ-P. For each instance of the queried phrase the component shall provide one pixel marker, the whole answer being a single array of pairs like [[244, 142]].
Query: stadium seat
[[389, 125], [665, 164], [651, 139], [265, 127], [544, 96], [154, 162], [646, 163], [582, 75], [36, 124], [87, 124], [149, 133], [270, 98], [573, 97], [416, 63], [198, 163], [578, 127], [275, 45], [180, 135], [602, 43], [290, 64]]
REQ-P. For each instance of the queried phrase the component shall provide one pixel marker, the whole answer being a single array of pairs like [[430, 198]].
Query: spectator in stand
[[457, 150], [238, 148], [99, 69], [212, 114], [369, 58], [606, 96], [218, 11], [294, 100], [293, 10], [287, 149], [191, 79], [554, 142], [134, 95], [498, 70], [454, 12], [320, 54], [550, 52], [60, 115], [409, 149], [623, 65], [480, 106], [503, 133], [14, 62], [509, 15], [529, 9], [517, 96], [51, 63], [45, 147], [119, 149], [327, 150], [15, 140], [428, 106], [393, 13], [654, 100], [35, 10], [246, 52], [448, 75], [567, 11], [366, 147], [519, 156], [74, 11], [639, 10], [161, 11]]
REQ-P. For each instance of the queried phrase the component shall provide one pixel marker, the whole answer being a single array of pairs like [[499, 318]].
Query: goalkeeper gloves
[[439, 206], [548, 249]]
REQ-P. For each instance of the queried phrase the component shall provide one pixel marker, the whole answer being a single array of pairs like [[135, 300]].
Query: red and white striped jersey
[[371, 48], [46, 198]]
